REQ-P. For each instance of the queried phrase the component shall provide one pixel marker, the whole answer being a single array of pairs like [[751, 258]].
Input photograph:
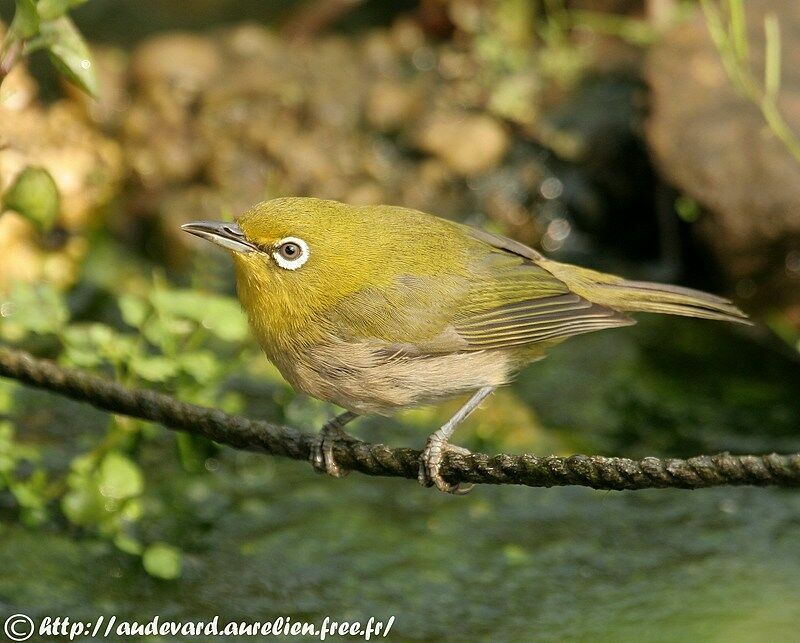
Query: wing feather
[[537, 320], [503, 298], [517, 301]]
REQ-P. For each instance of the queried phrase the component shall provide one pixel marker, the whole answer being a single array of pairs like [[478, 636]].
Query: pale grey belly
[[365, 380]]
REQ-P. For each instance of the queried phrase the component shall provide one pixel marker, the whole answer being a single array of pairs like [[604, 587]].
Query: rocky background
[[576, 137], [460, 108]]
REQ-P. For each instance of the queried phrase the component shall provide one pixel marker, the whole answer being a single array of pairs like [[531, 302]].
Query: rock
[[469, 144], [333, 117], [183, 63], [715, 145], [18, 91], [23, 257], [392, 104]]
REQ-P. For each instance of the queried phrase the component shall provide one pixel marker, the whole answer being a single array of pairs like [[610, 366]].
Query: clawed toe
[[322, 458], [321, 455], [430, 464]]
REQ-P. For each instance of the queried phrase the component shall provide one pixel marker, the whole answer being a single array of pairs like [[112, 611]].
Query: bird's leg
[[437, 445], [321, 455]]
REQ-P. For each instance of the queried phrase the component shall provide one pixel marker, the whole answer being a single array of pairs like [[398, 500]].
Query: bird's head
[[299, 256], [293, 244]]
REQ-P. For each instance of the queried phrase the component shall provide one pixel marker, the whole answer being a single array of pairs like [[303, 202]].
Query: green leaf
[[26, 21], [53, 9], [128, 544], [30, 308], [738, 29], [34, 195], [69, 53], [687, 208], [153, 368], [134, 309], [221, 316], [194, 450], [120, 477], [162, 561], [772, 57], [90, 344], [31, 493], [7, 391], [12, 452], [202, 366], [82, 504]]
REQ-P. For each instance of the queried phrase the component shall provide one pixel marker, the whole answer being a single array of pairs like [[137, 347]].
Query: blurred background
[[659, 139]]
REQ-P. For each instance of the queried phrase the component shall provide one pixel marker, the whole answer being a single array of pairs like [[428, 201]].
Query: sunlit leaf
[[69, 53], [31, 493], [128, 544], [162, 331], [34, 195], [162, 561], [90, 344], [52, 9], [26, 21], [202, 366], [31, 309], [82, 504], [221, 316], [153, 368], [120, 477], [772, 57], [133, 308]]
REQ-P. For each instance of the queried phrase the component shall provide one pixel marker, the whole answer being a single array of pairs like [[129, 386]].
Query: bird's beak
[[227, 235]]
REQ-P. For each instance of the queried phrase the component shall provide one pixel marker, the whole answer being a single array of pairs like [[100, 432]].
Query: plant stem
[[10, 53]]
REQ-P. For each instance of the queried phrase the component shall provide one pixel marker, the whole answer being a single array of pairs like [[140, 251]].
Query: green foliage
[[34, 195], [727, 25], [162, 341], [162, 561], [687, 208], [104, 495], [29, 492], [69, 53], [26, 20], [54, 9], [46, 25], [32, 309]]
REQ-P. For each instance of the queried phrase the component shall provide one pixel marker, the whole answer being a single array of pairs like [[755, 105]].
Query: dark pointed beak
[[227, 235]]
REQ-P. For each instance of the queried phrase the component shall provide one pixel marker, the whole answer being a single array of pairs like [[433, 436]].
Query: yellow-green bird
[[380, 308]]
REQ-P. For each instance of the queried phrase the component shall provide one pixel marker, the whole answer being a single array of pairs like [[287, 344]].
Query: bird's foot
[[430, 463], [321, 456]]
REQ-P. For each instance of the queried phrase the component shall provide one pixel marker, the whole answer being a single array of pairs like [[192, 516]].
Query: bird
[[380, 308]]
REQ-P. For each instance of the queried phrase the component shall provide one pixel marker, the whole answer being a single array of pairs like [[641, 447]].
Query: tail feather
[[644, 296], [648, 297]]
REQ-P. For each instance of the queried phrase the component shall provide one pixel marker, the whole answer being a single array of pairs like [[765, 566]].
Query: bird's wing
[[504, 298], [514, 300]]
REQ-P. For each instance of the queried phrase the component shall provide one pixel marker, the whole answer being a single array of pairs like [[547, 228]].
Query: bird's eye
[[290, 253]]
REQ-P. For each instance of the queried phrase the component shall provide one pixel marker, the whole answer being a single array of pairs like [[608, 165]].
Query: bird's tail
[[648, 297]]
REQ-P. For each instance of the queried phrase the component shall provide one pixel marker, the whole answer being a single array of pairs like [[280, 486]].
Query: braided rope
[[598, 472]]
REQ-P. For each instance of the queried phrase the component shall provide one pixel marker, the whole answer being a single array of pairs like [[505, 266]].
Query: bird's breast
[[370, 378]]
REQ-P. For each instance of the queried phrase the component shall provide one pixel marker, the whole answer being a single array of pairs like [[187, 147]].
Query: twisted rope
[[238, 432]]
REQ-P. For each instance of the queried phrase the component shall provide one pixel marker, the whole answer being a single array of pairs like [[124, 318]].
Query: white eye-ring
[[291, 253]]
